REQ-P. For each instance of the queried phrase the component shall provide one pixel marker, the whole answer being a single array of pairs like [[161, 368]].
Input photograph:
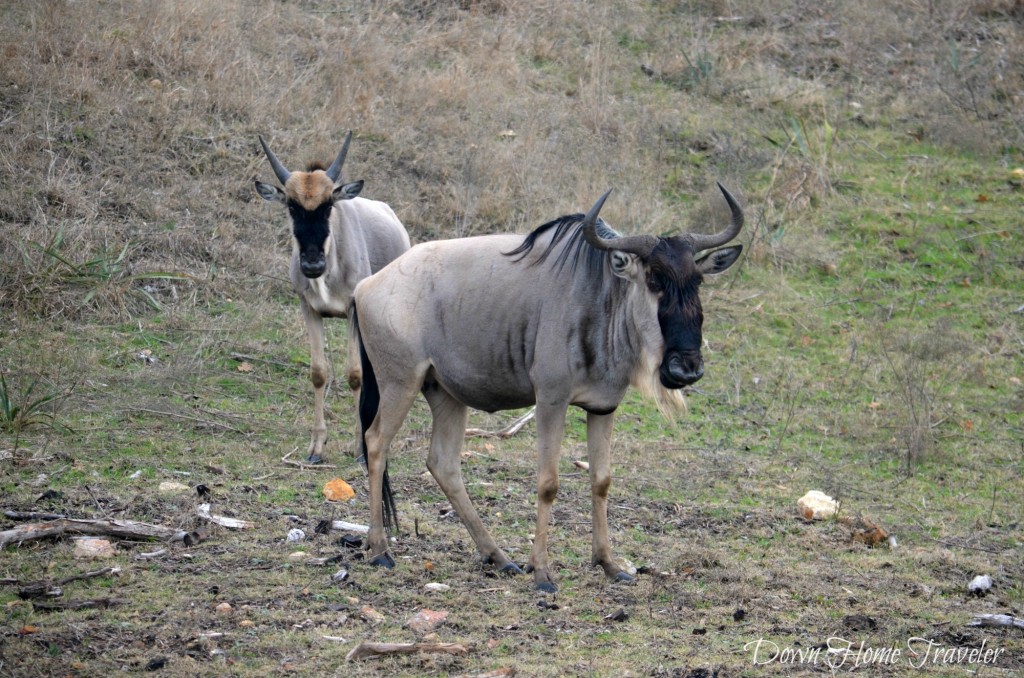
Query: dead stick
[[367, 649], [124, 529], [33, 515], [303, 465], [996, 620], [78, 604], [507, 432]]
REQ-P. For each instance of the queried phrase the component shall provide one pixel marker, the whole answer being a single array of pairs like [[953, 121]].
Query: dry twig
[[369, 649]]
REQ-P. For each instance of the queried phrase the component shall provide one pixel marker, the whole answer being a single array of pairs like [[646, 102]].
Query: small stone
[[436, 587], [295, 534], [172, 487], [371, 615], [91, 547], [247, 623], [298, 556], [223, 608], [426, 620]]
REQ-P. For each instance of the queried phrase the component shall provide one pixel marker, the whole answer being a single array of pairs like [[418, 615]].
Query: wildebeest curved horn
[[334, 171], [635, 244], [279, 169], [701, 241]]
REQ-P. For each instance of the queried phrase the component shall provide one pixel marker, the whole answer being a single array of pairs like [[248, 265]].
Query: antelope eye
[[654, 285]]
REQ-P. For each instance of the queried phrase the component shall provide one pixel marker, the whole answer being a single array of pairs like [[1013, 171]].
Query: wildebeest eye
[[654, 285]]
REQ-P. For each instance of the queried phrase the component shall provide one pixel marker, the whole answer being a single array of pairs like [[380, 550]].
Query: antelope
[[572, 314], [339, 239]]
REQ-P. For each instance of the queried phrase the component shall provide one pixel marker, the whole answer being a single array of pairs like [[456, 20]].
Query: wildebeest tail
[[369, 404]]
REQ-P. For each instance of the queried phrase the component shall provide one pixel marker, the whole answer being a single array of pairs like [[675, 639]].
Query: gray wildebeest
[[571, 315], [339, 239]]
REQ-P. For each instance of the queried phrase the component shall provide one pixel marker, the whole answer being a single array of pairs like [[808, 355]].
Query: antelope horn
[[334, 171], [279, 169], [641, 245], [701, 241]]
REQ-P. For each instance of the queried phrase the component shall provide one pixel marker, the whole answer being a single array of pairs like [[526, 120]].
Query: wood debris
[[506, 432], [203, 511], [996, 620], [122, 529], [369, 649]]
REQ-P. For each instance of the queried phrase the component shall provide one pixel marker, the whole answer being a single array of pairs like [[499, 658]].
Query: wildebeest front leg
[[445, 464], [319, 374], [599, 441], [550, 427]]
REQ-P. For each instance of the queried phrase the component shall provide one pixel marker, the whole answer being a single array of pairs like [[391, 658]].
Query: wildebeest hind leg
[[395, 405], [445, 464]]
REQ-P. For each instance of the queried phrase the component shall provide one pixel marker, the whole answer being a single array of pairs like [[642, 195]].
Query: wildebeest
[[339, 239], [571, 315]]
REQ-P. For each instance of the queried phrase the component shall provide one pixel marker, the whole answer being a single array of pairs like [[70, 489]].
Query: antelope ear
[[347, 191], [718, 260], [269, 192]]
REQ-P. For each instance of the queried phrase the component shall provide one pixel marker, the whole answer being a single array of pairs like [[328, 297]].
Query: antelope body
[[338, 239], [571, 315]]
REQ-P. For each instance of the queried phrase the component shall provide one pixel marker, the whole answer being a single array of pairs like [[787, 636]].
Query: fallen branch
[[203, 511], [151, 555], [78, 604], [33, 515], [122, 529], [367, 649], [507, 432], [304, 465], [52, 589], [343, 526], [996, 620]]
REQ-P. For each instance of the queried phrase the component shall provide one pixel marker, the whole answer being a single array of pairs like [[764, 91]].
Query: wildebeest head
[[670, 271], [310, 197]]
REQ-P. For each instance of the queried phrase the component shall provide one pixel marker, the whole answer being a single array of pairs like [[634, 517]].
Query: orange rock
[[338, 490]]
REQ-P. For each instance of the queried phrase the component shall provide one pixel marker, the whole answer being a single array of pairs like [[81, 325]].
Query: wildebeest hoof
[[384, 560], [511, 569], [314, 459], [624, 578], [547, 587]]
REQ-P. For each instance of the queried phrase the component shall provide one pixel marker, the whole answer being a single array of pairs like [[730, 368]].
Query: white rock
[[90, 547], [172, 487], [295, 534], [436, 587], [817, 505], [980, 585]]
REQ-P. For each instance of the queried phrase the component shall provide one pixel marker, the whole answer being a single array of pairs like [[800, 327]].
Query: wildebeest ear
[[719, 260], [347, 191], [623, 263], [269, 192]]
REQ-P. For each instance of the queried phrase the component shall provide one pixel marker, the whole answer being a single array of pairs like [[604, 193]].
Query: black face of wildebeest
[[311, 230], [674, 278]]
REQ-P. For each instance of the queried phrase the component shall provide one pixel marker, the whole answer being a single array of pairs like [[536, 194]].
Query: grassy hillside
[[869, 344]]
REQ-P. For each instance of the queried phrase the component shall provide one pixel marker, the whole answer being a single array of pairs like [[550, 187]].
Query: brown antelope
[[571, 315], [339, 239]]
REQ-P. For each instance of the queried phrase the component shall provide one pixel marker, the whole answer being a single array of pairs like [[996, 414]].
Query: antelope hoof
[[547, 587], [624, 578], [511, 569], [384, 560], [314, 459]]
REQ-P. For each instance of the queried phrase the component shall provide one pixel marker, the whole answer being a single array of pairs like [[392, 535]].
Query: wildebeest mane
[[567, 238]]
